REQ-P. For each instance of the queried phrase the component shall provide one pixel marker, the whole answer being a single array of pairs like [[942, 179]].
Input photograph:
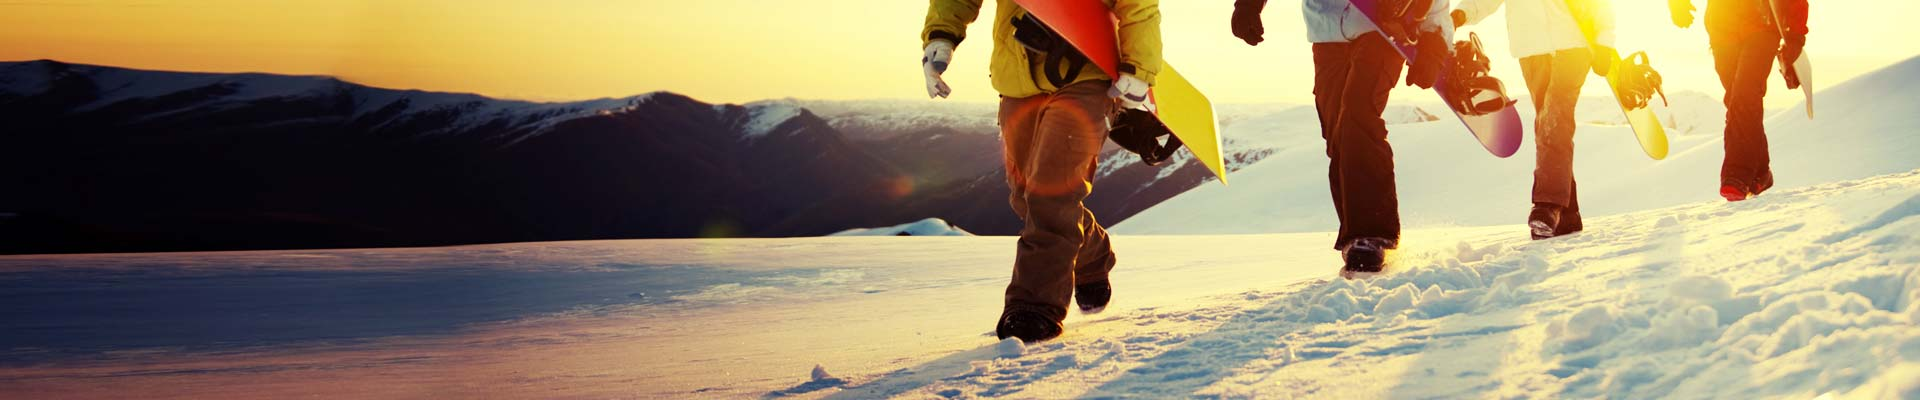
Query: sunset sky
[[744, 50]]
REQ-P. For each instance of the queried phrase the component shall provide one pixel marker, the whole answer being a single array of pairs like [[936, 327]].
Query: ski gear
[[1474, 91], [1180, 106], [1052, 145], [1138, 27], [1554, 81], [1789, 52], [1027, 325], [1131, 92], [1366, 255], [1733, 21], [1733, 193], [1139, 131], [1351, 85], [939, 54], [1499, 131], [1403, 21], [1633, 83], [1543, 221], [1536, 27], [1425, 69], [1060, 63], [1638, 82], [1341, 21], [1093, 296], [1794, 65], [1744, 68], [1246, 21]]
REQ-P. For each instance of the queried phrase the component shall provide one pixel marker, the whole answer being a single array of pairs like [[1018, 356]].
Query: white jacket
[[1337, 21], [1536, 27]]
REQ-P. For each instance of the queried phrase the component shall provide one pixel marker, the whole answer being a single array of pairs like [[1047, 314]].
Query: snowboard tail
[[1089, 26]]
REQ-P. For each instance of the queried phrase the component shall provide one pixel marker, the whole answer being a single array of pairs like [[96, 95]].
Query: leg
[[1366, 160], [1744, 68], [1049, 178], [1554, 126], [1330, 67]]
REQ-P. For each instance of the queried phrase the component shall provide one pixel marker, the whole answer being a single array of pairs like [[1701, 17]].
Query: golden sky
[[744, 50]]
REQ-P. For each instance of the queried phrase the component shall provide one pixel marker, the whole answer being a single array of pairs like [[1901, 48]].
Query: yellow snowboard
[[1190, 115], [1646, 125]]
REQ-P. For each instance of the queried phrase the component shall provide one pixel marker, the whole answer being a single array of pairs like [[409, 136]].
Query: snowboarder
[[1555, 55], [1054, 118], [1355, 67], [1745, 41]]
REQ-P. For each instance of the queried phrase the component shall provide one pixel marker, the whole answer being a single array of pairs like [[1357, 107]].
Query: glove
[[1603, 58], [1131, 91], [1459, 18], [1424, 70], [1246, 21], [939, 53], [1682, 11], [1791, 51]]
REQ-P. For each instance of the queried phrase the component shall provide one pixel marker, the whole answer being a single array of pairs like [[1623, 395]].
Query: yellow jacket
[[1139, 26]]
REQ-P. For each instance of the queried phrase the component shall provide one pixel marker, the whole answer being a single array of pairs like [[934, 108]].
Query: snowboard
[[1646, 126], [1089, 25], [1499, 132], [1801, 68]]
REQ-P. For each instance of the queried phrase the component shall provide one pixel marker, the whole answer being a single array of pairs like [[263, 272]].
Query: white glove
[[934, 63], [1131, 91]]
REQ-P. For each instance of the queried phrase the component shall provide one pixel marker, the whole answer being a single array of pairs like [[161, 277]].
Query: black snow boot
[[1093, 296], [1544, 221], [1366, 255], [1027, 325]]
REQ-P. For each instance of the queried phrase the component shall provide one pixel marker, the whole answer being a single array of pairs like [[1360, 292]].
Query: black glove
[[1431, 55], [1459, 18], [1603, 58], [1139, 132], [1790, 50], [1246, 21]]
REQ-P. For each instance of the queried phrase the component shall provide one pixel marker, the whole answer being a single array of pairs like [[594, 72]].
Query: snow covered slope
[[925, 227], [1866, 129], [1801, 293]]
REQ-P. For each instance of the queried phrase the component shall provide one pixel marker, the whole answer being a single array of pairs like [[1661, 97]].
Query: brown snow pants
[[1052, 146], [1744, 66], [1351, 82], [1554, 80]]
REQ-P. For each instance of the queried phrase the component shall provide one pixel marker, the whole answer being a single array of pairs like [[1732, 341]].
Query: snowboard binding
[[1639, 82], [1400, 20], [1140, 132], [1472, 90]]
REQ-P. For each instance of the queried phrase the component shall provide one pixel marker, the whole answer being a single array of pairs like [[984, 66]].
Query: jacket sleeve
[[1795, 13], [1603, 22], [1438, 20], [948, 19], [1139, 24], [1477, 10]]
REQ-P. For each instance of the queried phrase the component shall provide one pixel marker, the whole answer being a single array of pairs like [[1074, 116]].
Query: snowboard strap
[[1060, 61]]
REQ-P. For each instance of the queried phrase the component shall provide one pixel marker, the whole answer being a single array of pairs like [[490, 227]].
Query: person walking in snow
[[1555, 54], [1355, 67], [1746, 39], [1054, 118]]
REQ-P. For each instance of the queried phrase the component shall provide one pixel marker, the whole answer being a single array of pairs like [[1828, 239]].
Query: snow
[[1811, 290], [764, 116], [1805, 292], [1446, 179], [925, 227]]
